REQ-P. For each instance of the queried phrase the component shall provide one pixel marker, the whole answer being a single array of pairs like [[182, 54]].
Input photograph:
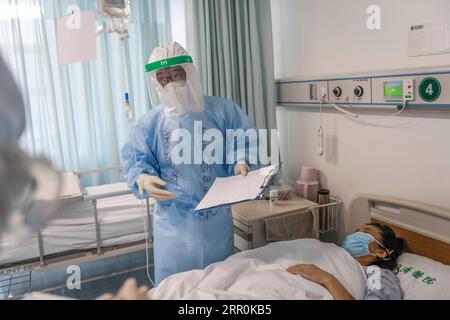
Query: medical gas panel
[[419, 88]]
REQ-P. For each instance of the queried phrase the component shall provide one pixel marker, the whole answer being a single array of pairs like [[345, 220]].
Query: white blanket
[[261, 275]]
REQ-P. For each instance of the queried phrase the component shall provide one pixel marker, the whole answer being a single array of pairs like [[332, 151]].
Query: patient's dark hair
[[391, 243]]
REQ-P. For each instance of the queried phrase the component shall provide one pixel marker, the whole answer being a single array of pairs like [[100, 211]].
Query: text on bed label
[[417, 274]]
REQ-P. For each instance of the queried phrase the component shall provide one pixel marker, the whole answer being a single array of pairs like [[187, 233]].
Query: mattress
[[121, 221]]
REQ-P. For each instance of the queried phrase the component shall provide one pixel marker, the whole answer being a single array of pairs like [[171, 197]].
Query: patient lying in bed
[[300, 269], [377, 248], [262, 274]]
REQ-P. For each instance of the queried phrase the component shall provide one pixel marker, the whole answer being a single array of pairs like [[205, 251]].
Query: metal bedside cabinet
[[250, 218]]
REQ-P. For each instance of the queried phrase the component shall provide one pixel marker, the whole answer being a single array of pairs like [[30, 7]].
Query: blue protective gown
[[184, 239]]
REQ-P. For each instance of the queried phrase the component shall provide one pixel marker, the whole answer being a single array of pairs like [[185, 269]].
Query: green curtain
[[231, 41]]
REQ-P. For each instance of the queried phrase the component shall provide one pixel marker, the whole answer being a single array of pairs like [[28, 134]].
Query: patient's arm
[[317, 275]]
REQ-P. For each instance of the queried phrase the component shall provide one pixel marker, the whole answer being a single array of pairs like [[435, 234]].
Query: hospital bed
[[423, 270], [93, 223], [424, 227]]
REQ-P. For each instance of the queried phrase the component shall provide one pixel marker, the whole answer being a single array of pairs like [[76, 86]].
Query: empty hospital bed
[[96, 222]]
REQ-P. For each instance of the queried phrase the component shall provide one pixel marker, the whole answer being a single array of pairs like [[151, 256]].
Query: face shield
[[177, 84]]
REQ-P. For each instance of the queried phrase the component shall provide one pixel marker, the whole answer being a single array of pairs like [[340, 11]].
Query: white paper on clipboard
[[231, 190]]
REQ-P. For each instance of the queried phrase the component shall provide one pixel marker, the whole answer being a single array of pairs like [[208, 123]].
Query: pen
[[265, 182]]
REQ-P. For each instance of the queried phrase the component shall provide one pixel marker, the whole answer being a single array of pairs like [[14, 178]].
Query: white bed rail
[[82, 173], [328, 215], [94, 197]]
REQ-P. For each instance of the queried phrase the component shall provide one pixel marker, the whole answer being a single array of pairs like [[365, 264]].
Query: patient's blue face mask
[[357, 244]]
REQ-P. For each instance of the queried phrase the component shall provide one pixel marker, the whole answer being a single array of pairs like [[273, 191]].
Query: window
[[69, 115]]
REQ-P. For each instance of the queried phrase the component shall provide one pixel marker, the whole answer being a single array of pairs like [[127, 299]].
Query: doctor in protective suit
[[183, 238]]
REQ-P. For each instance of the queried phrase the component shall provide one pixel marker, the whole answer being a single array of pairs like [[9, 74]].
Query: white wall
[[407, 157]]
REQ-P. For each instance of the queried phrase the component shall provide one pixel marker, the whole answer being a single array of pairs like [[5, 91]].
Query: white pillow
[[422, 278]]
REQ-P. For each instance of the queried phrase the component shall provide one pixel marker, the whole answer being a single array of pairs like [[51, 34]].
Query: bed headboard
[[425, 228]]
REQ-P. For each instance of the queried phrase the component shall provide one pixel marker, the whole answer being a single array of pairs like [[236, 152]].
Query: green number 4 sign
[[430, 89]]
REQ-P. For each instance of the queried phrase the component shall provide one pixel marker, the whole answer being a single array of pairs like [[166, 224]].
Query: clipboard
[[237, 189]]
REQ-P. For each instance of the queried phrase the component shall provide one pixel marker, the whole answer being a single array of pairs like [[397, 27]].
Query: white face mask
[[181, 97]]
